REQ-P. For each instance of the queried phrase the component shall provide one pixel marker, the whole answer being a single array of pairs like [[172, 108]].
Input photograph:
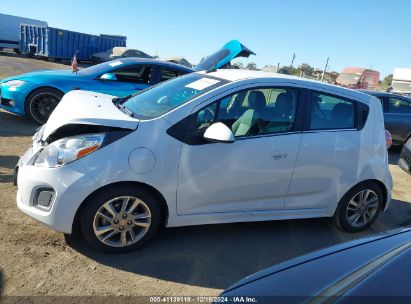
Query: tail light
[[388, 139]]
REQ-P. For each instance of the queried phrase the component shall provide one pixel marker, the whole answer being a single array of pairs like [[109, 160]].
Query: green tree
[[386, 82]]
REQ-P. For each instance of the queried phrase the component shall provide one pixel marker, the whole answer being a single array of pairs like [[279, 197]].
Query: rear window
[[167, 74], [211, 61]]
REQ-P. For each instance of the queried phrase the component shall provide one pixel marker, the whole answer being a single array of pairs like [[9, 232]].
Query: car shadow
[[7, 162], [14, 125], [215, 256]]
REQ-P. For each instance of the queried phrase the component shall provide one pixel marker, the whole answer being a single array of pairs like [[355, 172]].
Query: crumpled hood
[[83, 107]]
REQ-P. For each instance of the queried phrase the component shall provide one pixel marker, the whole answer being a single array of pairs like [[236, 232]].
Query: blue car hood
[[228, 52], [60, 74]]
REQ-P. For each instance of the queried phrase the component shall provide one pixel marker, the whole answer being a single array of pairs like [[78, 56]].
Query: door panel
[[129, 79], [397, 120], [249, 174], [328, 160], [119, 89], [329, 153]]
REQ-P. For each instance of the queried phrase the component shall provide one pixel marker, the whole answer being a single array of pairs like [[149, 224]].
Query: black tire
[[341, 216], [40, 104], [95, 202]]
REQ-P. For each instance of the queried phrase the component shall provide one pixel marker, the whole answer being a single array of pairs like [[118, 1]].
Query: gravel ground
[[189, 261]]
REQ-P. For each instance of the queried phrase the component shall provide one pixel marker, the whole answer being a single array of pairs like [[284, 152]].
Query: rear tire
[[40, 104], [121, 219], [359, 208]]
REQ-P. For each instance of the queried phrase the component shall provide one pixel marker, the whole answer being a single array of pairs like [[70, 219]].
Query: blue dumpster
[[63, 44]]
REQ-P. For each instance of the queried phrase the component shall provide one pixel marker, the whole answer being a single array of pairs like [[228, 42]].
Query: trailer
[[57, 43], [401, 81], [359, 78], [10, 30]]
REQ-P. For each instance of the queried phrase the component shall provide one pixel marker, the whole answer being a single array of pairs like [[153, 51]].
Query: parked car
[[405, 157], [358, 78], [37, 94], [369, 270], [397, 115], [216, 147], [179, 60], [119, 52]]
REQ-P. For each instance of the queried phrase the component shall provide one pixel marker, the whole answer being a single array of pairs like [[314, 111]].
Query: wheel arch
[[380, 184], [39, 88], [163, 204]]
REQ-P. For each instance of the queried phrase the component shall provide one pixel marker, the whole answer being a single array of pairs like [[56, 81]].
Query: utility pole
[[325, 69], [292, 61]]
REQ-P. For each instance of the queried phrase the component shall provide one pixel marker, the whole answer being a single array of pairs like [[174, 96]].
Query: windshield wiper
[[120, 105], [121, 100]]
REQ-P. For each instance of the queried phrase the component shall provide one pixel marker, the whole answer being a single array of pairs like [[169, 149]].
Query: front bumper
[[71, 184], [13, 99], [405, 158]]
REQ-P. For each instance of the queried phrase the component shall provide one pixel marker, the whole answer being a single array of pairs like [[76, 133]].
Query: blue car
[[36, 94], [375, 269]]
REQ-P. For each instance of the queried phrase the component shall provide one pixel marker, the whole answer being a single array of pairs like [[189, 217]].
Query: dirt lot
[[34, 260]]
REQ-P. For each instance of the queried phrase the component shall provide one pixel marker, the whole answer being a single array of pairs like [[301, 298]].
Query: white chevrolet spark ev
[[218, 147]]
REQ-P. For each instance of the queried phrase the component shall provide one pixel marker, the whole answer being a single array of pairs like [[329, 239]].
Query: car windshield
[[401, 86], [348, 78], [211, 61], [162, 98], [98, 68]]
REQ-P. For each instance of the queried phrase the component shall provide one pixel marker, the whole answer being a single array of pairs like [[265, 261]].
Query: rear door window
[[330, 112], [397, 105]]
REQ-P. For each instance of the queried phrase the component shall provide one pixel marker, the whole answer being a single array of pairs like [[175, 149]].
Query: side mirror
[[108, 76], [219, 132]]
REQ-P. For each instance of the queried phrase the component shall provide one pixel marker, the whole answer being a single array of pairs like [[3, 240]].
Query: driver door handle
[[279, 155]]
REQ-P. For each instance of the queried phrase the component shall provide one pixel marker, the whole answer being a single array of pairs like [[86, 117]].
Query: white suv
[[218, 147]]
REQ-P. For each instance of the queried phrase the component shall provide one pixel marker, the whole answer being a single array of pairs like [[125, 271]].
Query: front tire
[[359, 208], [120, 220], [41, 103]]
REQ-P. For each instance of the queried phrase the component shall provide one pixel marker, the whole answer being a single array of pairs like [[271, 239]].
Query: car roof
[[242, 74], [131, 60], [382, 93], [372, 246]]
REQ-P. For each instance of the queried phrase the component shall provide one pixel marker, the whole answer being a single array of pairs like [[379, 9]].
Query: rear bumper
[[405, 158]]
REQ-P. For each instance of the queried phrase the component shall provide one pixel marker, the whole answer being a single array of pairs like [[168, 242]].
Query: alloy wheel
[[122, 221], [362, 208], [42, 105]]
